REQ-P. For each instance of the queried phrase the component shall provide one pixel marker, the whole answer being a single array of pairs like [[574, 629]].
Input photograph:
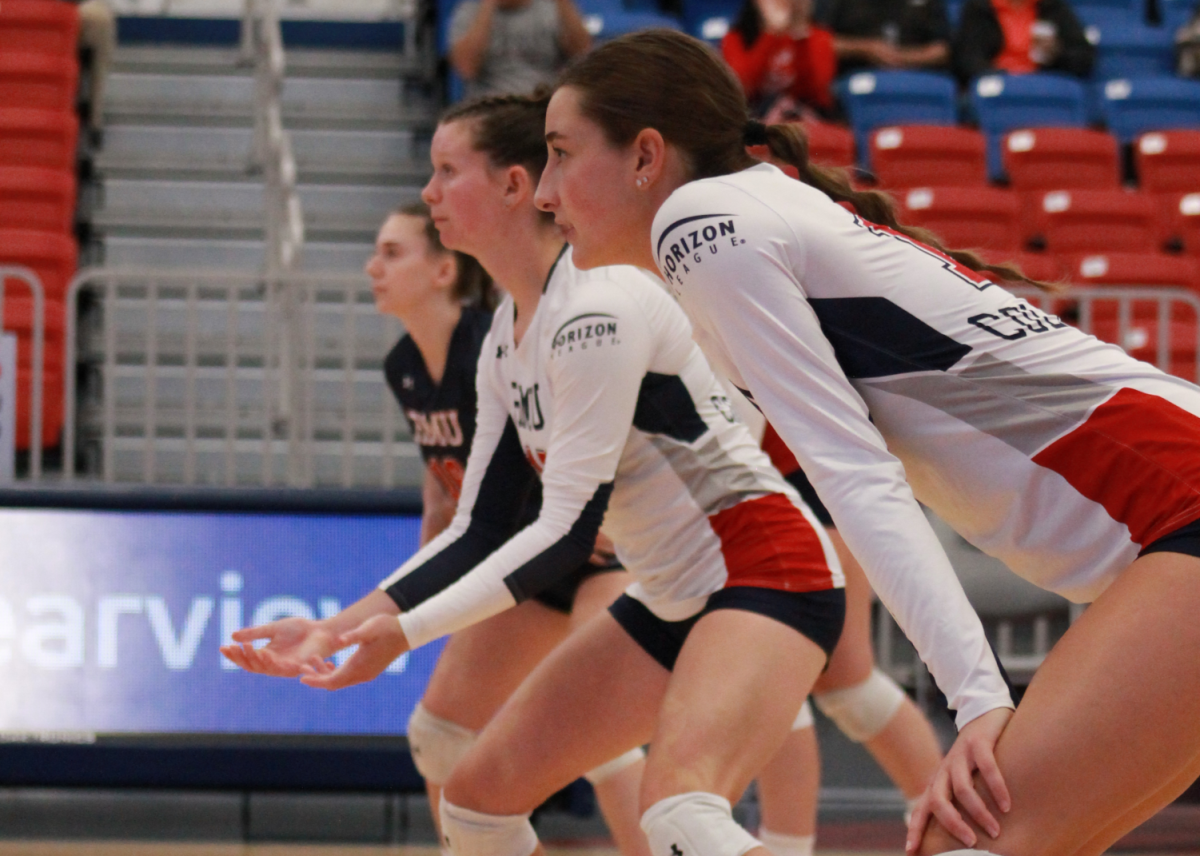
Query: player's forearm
[[934, 53], [573, 36], [375, 603], [467, 54]]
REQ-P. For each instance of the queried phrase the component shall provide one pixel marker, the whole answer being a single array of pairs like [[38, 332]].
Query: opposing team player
[[592, 382], [886, 362], [859, 697], [443, 299]]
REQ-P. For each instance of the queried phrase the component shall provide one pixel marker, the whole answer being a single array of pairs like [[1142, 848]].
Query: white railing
[[38, 294], [271, 151], [213, 377], [1158, 325]]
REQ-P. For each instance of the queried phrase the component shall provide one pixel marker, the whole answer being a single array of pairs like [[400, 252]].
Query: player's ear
[[445, 272]]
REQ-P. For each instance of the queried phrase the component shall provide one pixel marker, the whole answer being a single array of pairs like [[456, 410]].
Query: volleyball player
[[884, 362], [591, 382], [443, 299]]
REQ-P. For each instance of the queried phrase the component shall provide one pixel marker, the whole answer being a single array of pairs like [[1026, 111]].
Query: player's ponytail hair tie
[[755, 133]]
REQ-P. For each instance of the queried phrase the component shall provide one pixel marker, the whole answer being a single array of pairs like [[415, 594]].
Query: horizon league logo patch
[[690, 246], [584, 332]]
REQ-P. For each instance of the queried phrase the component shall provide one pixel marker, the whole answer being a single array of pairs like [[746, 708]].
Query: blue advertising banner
[[110, 620]]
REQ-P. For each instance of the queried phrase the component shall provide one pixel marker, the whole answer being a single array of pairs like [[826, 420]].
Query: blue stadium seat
[[1084, 8], [1131, 50], [1003, 103], [609, 25], [709, 19], [1136, 105], [873, 99], [954, 12], [1175, 13]]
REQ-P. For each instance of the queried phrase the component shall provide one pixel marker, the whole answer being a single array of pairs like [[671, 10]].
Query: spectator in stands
[[1019, 37], [909, 34], [783, 60], [510, 46], [97, 41], [1187, 46]]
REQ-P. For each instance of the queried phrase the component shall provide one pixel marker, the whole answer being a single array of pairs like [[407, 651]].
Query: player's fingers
[[948, 816], [989, 770], [335, 680], [274, 664], [233, 653], [916, 825], [971, 802], [263, 631]]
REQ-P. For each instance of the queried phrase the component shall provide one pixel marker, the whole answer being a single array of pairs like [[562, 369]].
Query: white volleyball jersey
[[609, 401], [876, 358]]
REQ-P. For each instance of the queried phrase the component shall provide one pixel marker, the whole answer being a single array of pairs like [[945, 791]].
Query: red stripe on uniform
[[1137, 455], [768, 543], [779, 453]]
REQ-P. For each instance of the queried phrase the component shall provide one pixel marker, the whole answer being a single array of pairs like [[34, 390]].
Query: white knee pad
[[616, 765], [804, 718], [695, 824], [470, 833], [864, 710], [436, 744], [787, 845]]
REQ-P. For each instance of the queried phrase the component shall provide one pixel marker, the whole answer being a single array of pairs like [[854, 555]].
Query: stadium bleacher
[[1116, 157]]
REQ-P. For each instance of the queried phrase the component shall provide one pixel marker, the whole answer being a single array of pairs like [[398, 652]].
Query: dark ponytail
[[699, 107], [472, 286]]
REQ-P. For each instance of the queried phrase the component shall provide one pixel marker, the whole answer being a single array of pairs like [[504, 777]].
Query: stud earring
[[641, 182]]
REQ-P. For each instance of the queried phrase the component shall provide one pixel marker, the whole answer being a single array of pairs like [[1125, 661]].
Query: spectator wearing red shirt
[[784, 62], [1019, 37]]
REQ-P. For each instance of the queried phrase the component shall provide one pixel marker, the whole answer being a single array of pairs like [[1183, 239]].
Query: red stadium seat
[[1168, 161], [1149, 270], [829, 144], [925, 155], [965, 217], [1141, 341], [33, 198], [1133, 269], [38, 81], [1061, 158], [1100, 221], [1043, 267], [39, 26], [41, 138], [51, 256], [1180, 219]]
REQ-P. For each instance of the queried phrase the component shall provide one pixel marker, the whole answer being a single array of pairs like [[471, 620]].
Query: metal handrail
[[287, 347], [271, 151], [31, 279]]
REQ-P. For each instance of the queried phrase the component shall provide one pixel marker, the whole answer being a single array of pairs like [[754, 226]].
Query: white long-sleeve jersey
[[884, 364], [608, 399]]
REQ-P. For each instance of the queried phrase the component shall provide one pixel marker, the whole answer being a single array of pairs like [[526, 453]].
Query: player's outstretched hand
[[292, 643], [380, 640], [954, 780]]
